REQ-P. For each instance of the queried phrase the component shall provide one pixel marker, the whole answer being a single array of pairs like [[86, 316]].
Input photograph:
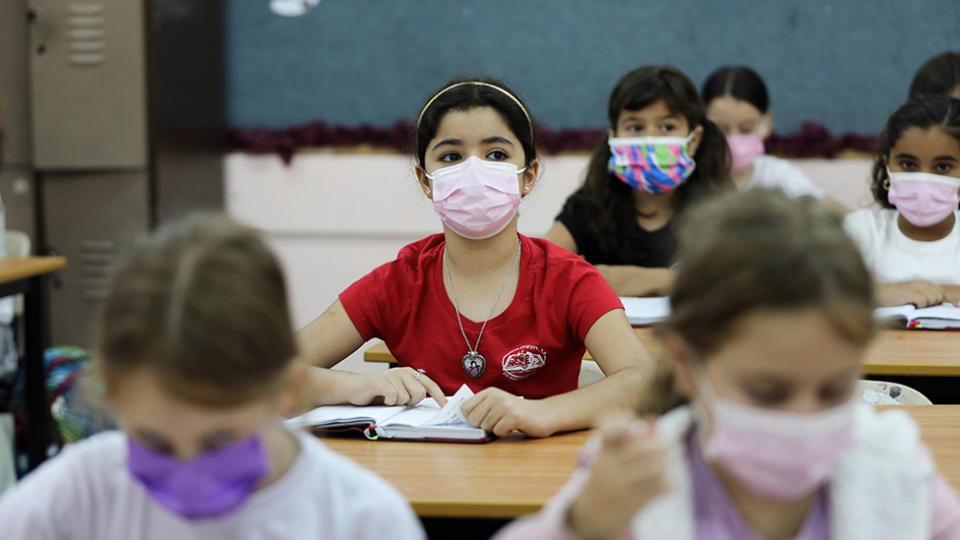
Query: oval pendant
[[474, 364]]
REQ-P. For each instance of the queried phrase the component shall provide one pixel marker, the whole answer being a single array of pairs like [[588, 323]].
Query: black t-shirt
[[652, 249]]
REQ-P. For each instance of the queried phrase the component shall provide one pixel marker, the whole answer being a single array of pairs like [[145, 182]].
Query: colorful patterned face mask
[[652, 164]]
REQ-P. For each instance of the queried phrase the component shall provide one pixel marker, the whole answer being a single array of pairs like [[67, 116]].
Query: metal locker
[[14, 84], [92, 237], [87, 73], [113, 158], [16, 176]]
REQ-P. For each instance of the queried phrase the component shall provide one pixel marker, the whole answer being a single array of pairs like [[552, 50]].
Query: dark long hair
[[463, 94], [939, 75], [923, 111], [739, 82], [610, 201]]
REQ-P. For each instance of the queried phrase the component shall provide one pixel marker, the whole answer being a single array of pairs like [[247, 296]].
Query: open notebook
[[943, 317], [646, 311], [427, 421]]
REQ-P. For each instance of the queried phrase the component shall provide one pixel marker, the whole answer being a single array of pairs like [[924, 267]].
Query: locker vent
[[87, 31], [98, 260]]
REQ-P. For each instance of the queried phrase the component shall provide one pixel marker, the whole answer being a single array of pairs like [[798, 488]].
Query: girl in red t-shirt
[[480, 304]]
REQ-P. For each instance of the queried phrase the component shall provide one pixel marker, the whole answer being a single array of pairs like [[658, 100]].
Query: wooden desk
[[893, 352], [25, 276], [512, 477], [502, 479]]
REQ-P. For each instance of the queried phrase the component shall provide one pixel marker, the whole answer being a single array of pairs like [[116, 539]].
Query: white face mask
[[477, 198]]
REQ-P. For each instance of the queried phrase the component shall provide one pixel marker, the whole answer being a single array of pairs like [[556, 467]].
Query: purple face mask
[[210, 485]]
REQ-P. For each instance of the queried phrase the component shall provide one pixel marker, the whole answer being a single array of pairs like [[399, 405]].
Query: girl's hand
[[951, 293], [501, 412], [397, 386], [629, 471], [919, 293]]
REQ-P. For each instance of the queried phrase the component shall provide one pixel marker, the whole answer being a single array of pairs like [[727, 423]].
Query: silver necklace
[[473, 362]]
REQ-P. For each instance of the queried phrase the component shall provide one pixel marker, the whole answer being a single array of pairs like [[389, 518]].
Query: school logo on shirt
[[521, 362]]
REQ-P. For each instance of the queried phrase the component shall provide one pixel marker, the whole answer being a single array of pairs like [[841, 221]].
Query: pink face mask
[[776, 454], [476, 198], [924, 199], [744, 149]]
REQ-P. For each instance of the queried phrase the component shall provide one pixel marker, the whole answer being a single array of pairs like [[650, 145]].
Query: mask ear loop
[[704, 414], [416, 165], [704, 386], [707, 396]]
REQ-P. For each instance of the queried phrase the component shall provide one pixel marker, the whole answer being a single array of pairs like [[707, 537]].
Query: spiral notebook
[[946, 316], [426, 421]]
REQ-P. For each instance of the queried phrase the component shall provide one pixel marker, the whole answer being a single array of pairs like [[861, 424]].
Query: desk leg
[[38, 414]]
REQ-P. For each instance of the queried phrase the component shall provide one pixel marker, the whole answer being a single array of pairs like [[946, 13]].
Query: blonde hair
[[203, 305]]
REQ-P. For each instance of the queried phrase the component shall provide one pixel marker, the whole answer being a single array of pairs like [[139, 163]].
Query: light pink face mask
[[744, 149], [924, 199], [776, 454], [477, 198]]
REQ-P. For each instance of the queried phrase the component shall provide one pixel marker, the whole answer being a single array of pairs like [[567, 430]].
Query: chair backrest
[[17, 244], [889, 393], [590, 373]]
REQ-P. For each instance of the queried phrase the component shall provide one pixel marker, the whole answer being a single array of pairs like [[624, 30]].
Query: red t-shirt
[[532, 349]]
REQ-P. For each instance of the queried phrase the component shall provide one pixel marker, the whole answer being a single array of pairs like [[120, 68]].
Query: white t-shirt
[[894, 258], [773, 172], [87, 493]]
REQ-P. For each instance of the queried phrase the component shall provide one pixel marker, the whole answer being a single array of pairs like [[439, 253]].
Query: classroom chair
[[888, 393], [17, 244]]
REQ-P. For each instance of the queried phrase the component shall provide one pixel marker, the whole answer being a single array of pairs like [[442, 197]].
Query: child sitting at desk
[[738, 103], [912, 245], [660, 154], [196, 359], [481, 304], [772, 314]]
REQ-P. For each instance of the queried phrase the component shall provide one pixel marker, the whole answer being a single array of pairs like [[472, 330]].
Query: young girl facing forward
[[772, 314], [660, 154], [912, 245], [480, 304], [196, 360]]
